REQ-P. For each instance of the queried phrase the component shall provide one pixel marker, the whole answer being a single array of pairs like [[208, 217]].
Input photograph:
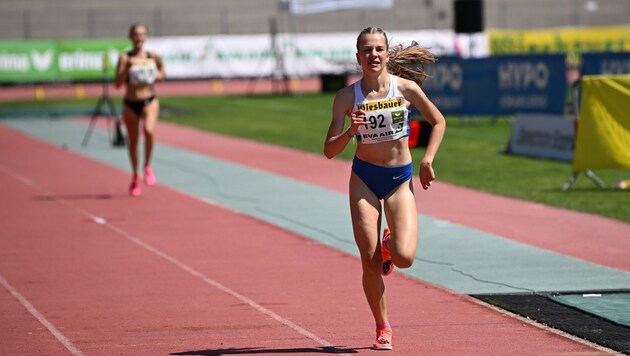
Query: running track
[[244, 248]]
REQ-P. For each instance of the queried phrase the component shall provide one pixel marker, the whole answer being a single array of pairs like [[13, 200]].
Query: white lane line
[[20, 298], [220, 286], [48, 325], [99, 220]]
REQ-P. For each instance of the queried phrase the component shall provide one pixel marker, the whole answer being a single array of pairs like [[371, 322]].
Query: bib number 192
[[375, 121]]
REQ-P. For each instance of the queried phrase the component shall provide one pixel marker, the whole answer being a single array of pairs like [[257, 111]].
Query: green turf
[[471, 154]]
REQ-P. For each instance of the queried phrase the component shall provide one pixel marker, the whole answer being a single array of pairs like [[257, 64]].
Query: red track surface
[[167, 273]]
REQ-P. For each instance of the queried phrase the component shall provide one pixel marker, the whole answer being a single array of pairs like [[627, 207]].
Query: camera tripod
[[105, 102]]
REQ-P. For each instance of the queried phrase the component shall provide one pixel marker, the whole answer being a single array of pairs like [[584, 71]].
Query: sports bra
[[143, 72], [386, 119]]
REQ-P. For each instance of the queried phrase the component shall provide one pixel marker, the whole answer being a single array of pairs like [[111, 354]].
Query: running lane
[[88, 270], [460, 258]]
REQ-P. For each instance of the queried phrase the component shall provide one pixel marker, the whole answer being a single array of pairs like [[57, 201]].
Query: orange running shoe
[[149, 177], [383, 339], [388, 265], [134, 188]]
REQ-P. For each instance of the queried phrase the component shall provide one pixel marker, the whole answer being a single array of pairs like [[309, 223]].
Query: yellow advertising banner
[[573, 41], [603, 134]]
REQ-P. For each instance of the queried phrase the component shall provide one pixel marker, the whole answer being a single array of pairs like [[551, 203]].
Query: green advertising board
[[31, 61], [88, 59], [63, 60]]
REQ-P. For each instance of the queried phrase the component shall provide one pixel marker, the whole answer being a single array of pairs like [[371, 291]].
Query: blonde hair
[[134, 26], [406, 62]]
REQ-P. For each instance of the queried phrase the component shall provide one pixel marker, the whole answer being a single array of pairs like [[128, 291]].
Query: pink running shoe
[[388, 265], [383, 339], [149, 177], [134, 188]]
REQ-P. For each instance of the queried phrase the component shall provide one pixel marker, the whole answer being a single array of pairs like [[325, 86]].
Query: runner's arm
[[416, 96], [160, 66], [122, 69], [337, 139]]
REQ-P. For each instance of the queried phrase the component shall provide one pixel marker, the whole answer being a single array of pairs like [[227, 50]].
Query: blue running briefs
[[381, 180]]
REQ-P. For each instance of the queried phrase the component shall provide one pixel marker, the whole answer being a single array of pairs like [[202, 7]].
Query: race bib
[[385, 120], [143, 72]]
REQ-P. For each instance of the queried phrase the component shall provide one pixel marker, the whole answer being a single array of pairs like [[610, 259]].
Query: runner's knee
[[371, 266], [403, 254], [403, 260]]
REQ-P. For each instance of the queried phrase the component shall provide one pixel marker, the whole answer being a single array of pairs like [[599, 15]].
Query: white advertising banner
[[317, 6], [313, 54], [543, 136], [214, 56], [183, 57], [295, 55]]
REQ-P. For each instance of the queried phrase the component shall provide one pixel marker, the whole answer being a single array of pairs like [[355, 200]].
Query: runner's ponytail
[[408, 62]]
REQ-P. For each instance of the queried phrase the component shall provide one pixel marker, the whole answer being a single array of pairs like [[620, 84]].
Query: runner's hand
[[356, 119], [427, 175]]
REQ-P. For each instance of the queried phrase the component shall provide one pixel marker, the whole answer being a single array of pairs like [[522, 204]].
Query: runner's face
[[372, 52], [137, 36]]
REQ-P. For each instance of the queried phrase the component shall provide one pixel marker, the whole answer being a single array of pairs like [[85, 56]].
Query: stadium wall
[[79, 19]]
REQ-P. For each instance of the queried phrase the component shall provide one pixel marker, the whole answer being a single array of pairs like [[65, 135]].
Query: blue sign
[[502, 85], [532, 84], [605, 63], [444, 85], [480, 89]]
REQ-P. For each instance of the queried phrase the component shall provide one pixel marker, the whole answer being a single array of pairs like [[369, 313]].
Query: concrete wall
[[58, 19]]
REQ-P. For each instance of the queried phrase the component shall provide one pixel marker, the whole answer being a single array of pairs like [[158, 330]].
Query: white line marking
[[31, 309], [99, 220], [16, 176], [221, 287]]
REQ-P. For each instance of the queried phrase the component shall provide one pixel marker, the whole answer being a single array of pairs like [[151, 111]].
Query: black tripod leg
[[110, 114], [119, 138], [88, 133]]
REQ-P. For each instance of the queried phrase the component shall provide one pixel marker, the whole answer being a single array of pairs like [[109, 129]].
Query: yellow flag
[[603, 134]]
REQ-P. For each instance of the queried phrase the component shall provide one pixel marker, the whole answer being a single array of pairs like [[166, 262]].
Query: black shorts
[[138, 105]]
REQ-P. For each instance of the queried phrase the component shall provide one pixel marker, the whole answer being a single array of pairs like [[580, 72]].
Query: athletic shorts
[[138, 105], [381, 180]]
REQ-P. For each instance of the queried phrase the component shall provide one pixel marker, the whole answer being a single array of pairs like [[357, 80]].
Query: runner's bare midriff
[[389, 154], [139, 92]]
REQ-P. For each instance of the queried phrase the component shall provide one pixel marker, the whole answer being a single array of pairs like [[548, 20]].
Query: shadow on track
[[257, 351]]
